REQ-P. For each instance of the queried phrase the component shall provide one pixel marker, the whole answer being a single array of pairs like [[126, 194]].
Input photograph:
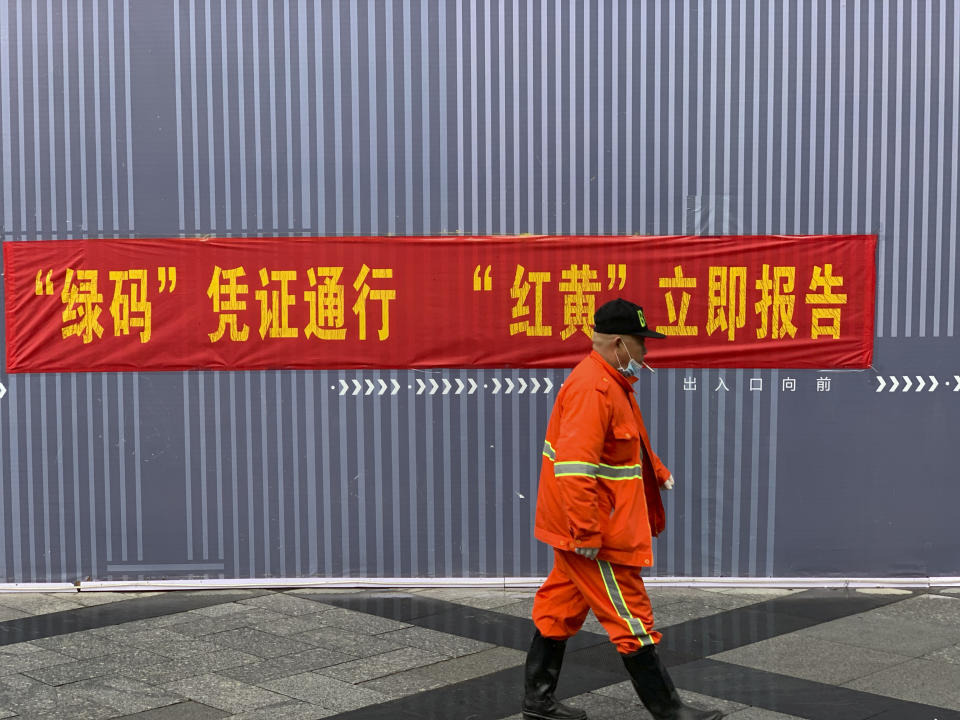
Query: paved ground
[[374, 655]]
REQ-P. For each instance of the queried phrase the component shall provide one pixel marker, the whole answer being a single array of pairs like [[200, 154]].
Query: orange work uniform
[[599, 488]]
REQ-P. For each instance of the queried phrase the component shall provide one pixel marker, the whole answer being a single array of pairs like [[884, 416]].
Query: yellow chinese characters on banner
[[774, 307], [82, 299]]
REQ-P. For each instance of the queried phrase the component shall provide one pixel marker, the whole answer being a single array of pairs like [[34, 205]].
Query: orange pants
[[615, 593]]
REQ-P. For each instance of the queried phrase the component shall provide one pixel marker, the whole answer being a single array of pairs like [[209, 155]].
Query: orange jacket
[[600, 482]]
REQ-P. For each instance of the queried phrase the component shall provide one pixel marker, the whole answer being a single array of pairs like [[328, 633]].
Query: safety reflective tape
[[620, 472], [620, 604], [562, 469], [549, 451]]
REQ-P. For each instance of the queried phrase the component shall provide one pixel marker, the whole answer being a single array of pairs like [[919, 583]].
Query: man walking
[[599, 506]]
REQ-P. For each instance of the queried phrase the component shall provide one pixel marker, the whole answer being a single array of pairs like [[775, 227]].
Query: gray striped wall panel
[[127, 118]]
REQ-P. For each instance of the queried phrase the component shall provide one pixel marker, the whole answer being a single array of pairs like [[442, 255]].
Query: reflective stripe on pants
[[615, 593]]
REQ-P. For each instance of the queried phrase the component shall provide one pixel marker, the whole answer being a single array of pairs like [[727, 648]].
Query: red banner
[[402, 302]]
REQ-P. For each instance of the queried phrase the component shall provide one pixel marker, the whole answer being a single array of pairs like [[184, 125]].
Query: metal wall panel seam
[[742, 226], [657, 220], [107, 489], [251, 507], [260, 225], [426, 224], [481, 567], [487, 227], [22, 187], [755, 486], [264, 479], [557, 66], [234, 476], [460, 98], [202, 438], [819, 125], [37, 175], [354, 61], [705, 496], [446, 483], [178, 103], [857, 140], [374, 123], [77, 535], [544, 76], [517, 193], [721, 480], [429, 476], [761, 140], [5, 132], [474, 227], [899, 107], [114, 138], [343, 469], [61, 494], [187, 465], [195, 132], [51, 119], [226, 114], [129, 122], [311, 431], [784, 115], [772, 472], [288, 112], [271, 65], [391, 115], [736, 530], [281, 475], [840, 106], [218, 444], [414, 530], [924, 234], [241, 137], [92, 493], [912, 150], [295, 442], [609, 223], [407, 120], [138, 492], [378, 435], [502, 116], [685, 105], [580, 105], [16, 530], [322, 222], [395, 473], [883, 226], [951, 290], [938, 311]]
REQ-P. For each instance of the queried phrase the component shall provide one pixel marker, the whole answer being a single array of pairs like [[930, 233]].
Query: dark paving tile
[[181, 711], [87, 618]]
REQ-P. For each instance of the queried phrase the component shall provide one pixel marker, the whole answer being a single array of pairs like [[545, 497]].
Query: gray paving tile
[[402, 684], [435, 641], [293, 710], [256, 642], [166, 642], [170, 670], [475, 665], [286, 604], [30, 698], [472, 597], [287, 665], [197, 626], [328, 692], [921, 681], [684, 611], [358, 671], [360, 622], [126, 661], [755, 713], [625, 693], [39, 603], [4, 713], [351, 643], [286, 625], [7, 613], [224, 693], [221, 610], [79, 645], [877, 632], [948, 654], [25, 656], [938, 610], [520, 608], [95, 597], [603, 707], [123, 694], [811, 658], [188, 710]]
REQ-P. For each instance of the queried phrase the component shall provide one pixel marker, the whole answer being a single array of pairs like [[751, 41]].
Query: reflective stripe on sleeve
[[561, 469], [548, 450], [620, 604]]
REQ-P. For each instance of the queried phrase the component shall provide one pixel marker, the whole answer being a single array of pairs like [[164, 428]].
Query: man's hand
[[668, 485], [588, 553]]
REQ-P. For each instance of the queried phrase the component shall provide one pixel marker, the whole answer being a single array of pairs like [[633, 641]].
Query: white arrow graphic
[[434, 386], [956, 385], [523, 385], [344, 386], [370, 387], [383, 387], [496, 385], [920, 384], [357, 387], [933, 384], [509, 383], [907, 383], [421, 386], [547, 385], [460, 385], [882, 383], [534, 385], [446, 386], [473, 386], [894, 383], [3, 390]]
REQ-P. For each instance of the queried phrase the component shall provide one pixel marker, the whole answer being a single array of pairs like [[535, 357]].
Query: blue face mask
[[632, 369]]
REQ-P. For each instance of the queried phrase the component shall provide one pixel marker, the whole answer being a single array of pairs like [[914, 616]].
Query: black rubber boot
[[657, 691], [540, 681]]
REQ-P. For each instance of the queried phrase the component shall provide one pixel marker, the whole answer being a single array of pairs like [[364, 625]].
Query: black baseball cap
[[622, 317]]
